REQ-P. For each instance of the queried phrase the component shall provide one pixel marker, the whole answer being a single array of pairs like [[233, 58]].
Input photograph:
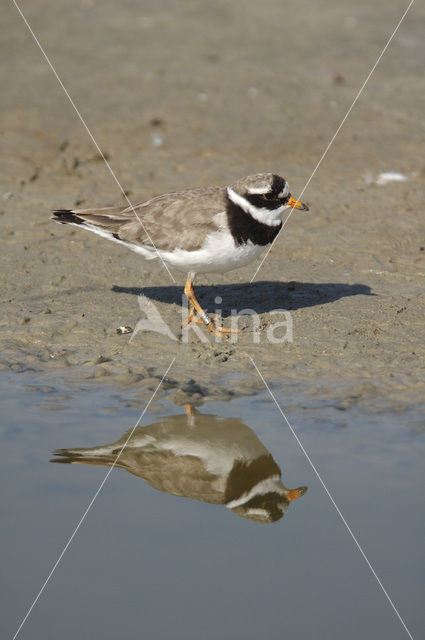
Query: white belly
[[218, 253]]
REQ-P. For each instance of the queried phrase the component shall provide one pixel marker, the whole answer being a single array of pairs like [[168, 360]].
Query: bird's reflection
[[203, 457]]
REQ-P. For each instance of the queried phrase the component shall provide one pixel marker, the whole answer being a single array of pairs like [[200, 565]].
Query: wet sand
[[188, 94]]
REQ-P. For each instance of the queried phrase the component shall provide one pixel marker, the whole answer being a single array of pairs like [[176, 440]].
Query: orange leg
[[189, 410], [197, 314], [191, 415]]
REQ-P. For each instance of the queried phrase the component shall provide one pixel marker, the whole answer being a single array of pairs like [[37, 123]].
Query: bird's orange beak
[[293, 494], [296, 204]]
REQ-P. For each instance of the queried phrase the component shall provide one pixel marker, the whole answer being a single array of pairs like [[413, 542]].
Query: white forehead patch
[[266, 189], [261, 513], [259, 189]]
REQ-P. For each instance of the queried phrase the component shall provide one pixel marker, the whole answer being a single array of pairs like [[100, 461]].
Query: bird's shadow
[[262, 296]]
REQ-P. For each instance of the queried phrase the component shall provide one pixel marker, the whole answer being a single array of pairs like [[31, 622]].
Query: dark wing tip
[[66, 215]]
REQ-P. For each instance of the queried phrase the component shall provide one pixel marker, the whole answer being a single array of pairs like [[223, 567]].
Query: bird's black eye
[[269, 196]]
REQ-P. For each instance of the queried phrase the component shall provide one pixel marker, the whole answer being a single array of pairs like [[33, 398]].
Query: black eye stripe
[[272, 195], [259, 200]]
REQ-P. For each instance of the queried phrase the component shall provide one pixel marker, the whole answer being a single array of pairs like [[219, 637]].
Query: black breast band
[[244, 227]]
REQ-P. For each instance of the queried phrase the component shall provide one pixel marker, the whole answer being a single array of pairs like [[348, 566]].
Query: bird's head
[[270, 506], [265, 196]]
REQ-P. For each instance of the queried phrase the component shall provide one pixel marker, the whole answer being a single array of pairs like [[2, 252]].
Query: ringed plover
[[202, 457], [203, 230]]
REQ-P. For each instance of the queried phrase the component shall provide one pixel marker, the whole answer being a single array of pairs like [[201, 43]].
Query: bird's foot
[[217, 329], [212, 324], [198, 315]]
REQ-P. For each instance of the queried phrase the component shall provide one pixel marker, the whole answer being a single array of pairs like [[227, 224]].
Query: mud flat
[[244, 96]]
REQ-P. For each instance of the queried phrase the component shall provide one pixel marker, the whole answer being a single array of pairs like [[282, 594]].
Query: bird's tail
[[113, 223], [105, 456], [107, 220]]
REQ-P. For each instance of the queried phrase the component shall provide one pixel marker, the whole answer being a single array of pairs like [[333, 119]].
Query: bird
[[199, 456], [201, 230]]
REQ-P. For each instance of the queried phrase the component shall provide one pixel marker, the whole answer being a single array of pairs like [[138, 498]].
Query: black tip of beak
[[304, 207]]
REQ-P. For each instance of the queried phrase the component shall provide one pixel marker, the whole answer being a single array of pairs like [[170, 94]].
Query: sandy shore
[[187, 94]]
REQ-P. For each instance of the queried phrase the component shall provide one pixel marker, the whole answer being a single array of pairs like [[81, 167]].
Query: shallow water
[[149, 563]]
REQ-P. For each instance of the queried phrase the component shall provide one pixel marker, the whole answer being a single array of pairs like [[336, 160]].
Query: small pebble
[[123, 330], [157, 140]]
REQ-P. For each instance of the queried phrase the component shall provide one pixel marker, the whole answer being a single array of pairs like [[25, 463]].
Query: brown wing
[[179, 475], [175, 220]]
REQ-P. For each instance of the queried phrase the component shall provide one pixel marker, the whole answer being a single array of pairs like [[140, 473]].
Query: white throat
[[272, 218]]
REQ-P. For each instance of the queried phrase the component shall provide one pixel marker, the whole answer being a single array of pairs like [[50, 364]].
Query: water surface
[[173, 546]]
